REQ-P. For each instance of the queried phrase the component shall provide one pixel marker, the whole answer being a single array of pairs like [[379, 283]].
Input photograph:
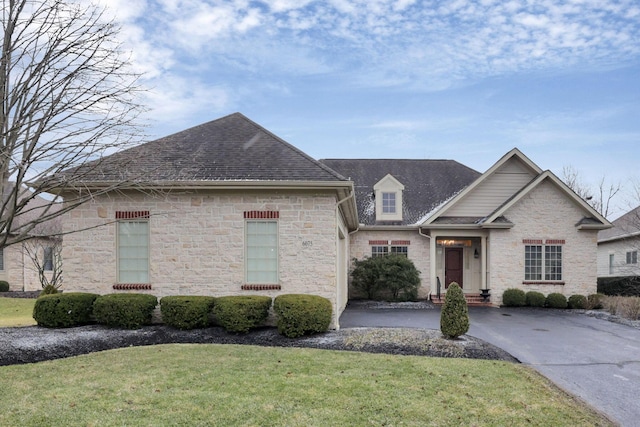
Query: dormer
[[388, 194]]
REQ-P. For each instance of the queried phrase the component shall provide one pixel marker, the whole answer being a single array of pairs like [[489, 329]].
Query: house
[[223, 208], [227, 208], [514, 226], [22, 263], [618, 247]]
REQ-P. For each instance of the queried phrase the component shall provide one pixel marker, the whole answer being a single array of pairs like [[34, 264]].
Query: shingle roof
[[625, 226], [427, 183], [231, 148]]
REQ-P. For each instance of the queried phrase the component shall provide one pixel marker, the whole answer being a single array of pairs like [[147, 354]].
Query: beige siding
[[545, 213], [493, 191], [618, 249], [418, 253], [197, 243]]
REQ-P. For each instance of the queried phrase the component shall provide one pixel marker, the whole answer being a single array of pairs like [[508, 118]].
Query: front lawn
[[16, 312], [204, 384]]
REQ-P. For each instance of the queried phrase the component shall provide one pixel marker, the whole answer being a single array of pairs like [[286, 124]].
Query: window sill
[[132, 286], [543, 282], [257, 287]]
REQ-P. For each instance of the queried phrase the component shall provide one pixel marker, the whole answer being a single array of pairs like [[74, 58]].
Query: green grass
[[16, 312], [204, 384]]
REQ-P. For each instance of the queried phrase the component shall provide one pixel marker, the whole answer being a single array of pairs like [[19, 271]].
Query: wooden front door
[[452, 266]]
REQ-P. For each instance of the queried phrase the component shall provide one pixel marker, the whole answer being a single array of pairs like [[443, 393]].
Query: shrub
[[241, 313], [130, 311], [4, 286], [556, 300], [630, 308], [64, 310], [622, 286], [535, 299], [394, 276], [299, 315], [186, 312], [454, 317], [513, 298], [594, 301], [577, 301], [49, 290]]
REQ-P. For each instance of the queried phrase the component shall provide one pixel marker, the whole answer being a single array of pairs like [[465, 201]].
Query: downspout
[[350, 196]]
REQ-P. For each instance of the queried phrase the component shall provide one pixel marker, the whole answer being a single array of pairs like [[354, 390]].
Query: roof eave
[[388, 227], [208, 185]]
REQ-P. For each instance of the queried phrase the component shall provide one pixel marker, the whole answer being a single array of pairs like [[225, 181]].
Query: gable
[[494, 190]]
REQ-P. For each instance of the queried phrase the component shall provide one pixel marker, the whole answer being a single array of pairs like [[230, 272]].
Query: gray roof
[[232, 148], [427, 183], [625, 226]]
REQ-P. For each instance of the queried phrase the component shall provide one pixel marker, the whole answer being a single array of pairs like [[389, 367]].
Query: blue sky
[[464, 80]]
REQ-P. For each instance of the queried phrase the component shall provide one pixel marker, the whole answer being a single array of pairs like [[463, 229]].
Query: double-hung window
[[48, 259], [261, 251], [133, 247], [389, 203], [543, 262], [632, 257]]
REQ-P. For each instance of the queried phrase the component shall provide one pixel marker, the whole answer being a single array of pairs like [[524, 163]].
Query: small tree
[[395, 275], [364, 276], [454, 318], [45, 255]]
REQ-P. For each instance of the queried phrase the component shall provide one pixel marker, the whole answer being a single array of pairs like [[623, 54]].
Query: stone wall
[[546, 213], [197, 242], [418, 252]]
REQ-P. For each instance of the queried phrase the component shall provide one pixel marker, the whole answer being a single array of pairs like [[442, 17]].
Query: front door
[[452, 266]]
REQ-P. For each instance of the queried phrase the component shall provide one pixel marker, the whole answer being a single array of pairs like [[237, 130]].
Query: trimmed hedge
[[577, 301], [535, 299], [299, 314], [594, 301], [64, 310], [186, 312], [4, 286], [241, 313], [513, 297], [556, 300], [454, 317], [130, 311], [619, 286]]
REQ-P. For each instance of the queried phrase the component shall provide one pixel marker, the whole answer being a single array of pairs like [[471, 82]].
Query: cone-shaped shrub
[[454, 318]]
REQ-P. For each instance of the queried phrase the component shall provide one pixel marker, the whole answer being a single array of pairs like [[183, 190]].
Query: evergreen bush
[[299, 315], [577, 301], [513, 297], [556, 300], [130, 311], [535, 299], [454, 317], [394, 277], [241, 313], [4, 286], [64, 310], [186, 312], [49, 290]]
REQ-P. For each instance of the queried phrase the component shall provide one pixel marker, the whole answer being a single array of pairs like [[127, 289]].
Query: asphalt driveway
[[595, 359]]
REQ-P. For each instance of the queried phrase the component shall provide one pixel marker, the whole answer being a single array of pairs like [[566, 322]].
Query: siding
[[494, 190], [619, 249]]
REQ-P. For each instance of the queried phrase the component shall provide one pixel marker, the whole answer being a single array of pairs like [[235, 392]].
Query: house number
[[307, 243]]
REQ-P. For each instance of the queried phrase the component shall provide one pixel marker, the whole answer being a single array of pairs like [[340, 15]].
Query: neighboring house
[[618, 247], [228, 208], [16, 261]]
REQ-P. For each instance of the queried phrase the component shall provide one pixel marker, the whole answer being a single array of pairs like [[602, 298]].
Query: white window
[[611, 262], [262, 252], [400, 250], [133, 251], [539, 263], [389, 203], [377, 251], [48, 259], [632, 257]]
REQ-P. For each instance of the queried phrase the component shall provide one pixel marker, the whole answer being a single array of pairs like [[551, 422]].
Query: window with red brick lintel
[[133, 247], [261, 248]]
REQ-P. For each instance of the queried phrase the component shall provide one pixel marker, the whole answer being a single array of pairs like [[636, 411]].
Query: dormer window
[[389, 203], [388, 195]]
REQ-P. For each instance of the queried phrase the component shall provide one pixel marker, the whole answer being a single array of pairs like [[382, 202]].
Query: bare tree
[[67, 98], [601, 199], [45, 255]]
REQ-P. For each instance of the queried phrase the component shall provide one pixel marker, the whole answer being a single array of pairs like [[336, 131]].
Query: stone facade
[[418, 252], [197, 243], [19, 270], [545, 214]]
